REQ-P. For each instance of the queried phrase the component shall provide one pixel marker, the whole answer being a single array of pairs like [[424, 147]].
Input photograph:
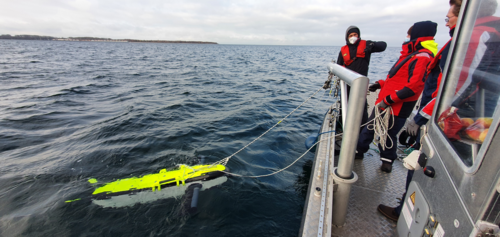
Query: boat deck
[[372, 188]]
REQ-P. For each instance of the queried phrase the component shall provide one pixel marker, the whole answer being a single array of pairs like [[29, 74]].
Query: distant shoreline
[[96, 39]]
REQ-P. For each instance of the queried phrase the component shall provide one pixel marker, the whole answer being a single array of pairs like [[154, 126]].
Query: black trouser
[[366, 137]]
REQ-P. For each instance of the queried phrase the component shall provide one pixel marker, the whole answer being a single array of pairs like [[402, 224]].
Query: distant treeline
[[27, 37], [169, 41], [41, 37]]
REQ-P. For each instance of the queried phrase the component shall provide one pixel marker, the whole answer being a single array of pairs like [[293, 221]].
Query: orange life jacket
[[359, 54]]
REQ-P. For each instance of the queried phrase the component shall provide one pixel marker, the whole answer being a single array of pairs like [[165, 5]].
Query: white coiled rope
[[380, 126]]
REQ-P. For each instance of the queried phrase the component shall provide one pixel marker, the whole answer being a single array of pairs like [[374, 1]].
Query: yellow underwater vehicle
[[185, 180]]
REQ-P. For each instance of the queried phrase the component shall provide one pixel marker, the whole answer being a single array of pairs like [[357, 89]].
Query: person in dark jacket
[[479, 59], [401, 89], [478, 89], [434, 72], [355, 55]]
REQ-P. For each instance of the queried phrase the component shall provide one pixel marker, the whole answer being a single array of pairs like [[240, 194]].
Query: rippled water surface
[[70, 111]]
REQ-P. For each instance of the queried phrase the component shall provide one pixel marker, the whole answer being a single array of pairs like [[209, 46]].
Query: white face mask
[[353, 40], [407, 40]]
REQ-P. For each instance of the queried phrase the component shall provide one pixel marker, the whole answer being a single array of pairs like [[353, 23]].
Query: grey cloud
[[235, 22]]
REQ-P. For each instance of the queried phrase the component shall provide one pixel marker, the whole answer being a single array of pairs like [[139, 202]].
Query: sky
[[254, 22]]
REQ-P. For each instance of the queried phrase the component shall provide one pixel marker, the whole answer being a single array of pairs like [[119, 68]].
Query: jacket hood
[[352, 29], [419, 43], [423, 29]]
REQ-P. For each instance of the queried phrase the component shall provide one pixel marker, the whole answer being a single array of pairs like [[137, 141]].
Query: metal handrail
[[357, 96], [343, 174]]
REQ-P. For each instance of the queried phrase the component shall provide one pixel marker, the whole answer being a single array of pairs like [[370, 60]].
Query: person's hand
[[381, 106], [369, 47], [373, 87], [412, 128]]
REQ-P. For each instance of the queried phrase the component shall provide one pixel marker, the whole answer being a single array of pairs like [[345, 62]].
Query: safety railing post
[[343, 100], [343, 175]]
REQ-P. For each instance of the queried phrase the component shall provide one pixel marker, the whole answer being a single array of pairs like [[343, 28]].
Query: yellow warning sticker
[[412, 198]]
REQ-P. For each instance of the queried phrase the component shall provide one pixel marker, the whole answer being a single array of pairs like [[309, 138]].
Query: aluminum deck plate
[[373, 187]]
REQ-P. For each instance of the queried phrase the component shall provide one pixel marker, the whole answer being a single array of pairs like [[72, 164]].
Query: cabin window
[[470, 101]]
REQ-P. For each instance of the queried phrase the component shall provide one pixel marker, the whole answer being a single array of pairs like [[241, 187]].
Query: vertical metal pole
[[343, 174], [352, 125], [343, 101]]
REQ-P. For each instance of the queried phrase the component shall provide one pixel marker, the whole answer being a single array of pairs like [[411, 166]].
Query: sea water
[[70, 111]]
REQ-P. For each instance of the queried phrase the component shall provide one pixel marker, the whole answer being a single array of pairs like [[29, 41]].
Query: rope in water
[[225, 160], [377, 115], [380, 125], [282, 169]]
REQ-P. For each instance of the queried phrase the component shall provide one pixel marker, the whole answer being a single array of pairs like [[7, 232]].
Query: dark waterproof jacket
[[481, 59], [360, 64], [434, 71]]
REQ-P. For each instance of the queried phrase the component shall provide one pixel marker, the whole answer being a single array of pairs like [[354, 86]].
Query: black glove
[[373, 87], [369, 47]]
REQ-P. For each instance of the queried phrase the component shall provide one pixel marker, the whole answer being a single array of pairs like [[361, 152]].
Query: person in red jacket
[[434, 75], [481, 57], [401, 89], [355, 55]]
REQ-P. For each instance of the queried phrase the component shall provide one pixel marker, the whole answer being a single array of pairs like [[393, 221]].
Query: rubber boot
[[386, 165]]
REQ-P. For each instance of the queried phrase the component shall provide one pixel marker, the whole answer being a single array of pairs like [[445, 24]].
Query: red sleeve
[[382, 83], [416, 69], [426, 111]]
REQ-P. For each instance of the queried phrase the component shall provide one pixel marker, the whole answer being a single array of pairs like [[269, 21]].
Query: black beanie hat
[[423, 29], [352, 29]]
